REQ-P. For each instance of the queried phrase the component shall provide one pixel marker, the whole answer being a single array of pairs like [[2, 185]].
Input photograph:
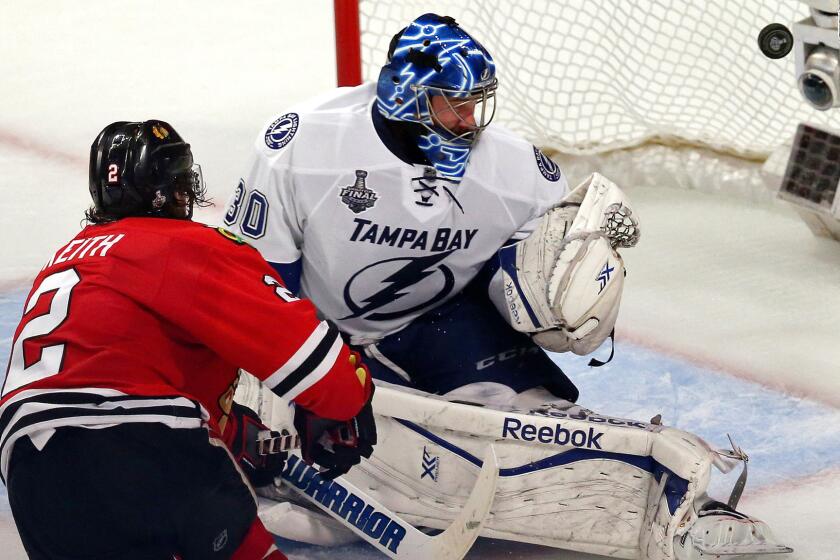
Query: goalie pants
[[135, 491], [465, 341]]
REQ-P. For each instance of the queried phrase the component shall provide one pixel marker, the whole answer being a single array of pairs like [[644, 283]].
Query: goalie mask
[[438, 76], [142, 169]]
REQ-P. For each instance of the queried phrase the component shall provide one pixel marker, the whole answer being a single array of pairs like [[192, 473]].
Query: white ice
[[732, 310]]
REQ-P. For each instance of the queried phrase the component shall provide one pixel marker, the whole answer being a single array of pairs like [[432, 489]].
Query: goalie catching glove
[[563, 283], [245, 435], [336, 446]]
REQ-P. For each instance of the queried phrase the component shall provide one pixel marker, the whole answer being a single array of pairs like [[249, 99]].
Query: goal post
[[348, 54]]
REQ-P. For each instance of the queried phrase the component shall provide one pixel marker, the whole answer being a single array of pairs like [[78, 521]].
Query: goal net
[[588, 77]]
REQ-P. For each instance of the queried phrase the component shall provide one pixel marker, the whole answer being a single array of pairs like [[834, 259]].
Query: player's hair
[[196, 197]]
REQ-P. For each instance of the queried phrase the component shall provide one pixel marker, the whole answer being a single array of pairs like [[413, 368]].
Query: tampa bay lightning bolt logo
[[394, 288], [281, 131], [548, 168]]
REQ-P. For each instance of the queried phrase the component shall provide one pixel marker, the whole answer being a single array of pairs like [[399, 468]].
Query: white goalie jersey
[[382, 241]]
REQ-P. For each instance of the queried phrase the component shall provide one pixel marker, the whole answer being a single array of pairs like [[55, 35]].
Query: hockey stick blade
[[384, 529]]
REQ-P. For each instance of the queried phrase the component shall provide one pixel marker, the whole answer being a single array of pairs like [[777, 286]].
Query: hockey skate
[[721, 531]]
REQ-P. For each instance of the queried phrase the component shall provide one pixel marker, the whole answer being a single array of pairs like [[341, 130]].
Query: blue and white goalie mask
[[440, 77]]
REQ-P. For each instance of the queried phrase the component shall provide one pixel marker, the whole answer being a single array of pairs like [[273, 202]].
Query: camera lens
[[819, 81], [816, 91]]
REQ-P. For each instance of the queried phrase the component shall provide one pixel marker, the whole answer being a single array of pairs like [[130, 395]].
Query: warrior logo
[[357, 196], [422, 279], [281, 131], [548, 168], [332, 495], [430, 465]]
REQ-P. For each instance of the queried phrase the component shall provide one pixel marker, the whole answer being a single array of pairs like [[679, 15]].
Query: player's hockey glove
[[250, 442], [333, 445]]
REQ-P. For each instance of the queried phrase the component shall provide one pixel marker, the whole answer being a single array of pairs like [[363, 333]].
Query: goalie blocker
[[563, 283]]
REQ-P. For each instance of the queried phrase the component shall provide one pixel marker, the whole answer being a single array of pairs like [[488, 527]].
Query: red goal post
[[348, 43]]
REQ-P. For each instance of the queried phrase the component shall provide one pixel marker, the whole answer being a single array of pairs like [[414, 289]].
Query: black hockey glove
[[250, 442], [333, 445]]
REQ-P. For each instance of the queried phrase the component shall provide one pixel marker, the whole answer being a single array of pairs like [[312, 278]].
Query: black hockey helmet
[[142, 169]]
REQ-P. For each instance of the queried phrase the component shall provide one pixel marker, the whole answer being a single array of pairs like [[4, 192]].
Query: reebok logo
[[557, 435]]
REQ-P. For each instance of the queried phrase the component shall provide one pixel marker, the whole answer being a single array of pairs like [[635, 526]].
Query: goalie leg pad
[[569, 478]]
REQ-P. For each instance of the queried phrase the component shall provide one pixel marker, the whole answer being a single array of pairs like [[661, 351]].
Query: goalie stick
[[376, 524]]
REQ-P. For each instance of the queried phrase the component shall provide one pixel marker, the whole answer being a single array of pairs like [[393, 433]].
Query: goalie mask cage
[[587, 77]]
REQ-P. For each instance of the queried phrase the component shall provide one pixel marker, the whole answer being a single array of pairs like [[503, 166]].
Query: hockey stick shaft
[[383, 528]]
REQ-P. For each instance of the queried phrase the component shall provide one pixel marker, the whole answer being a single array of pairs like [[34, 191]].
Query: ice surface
[[731, 315], [788, 438]]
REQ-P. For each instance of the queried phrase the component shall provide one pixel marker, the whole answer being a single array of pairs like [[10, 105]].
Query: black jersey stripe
[[310, 364], [57, 414], [59, 397], [53, 413], [74, 412]]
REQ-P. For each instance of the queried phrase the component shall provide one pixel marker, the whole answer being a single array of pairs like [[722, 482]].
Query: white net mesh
[[592, 76]]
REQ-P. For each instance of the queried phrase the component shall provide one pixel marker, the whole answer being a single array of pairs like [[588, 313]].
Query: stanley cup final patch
[[357, 196]]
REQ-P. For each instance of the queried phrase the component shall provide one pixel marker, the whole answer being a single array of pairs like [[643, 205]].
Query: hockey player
[[395, 207], [123, 368]]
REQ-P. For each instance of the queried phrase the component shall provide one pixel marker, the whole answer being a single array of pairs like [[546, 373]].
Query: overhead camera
[[812, 175], [816, 45]]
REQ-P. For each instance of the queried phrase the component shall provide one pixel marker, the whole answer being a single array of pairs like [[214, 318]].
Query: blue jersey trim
[[290, 274], [507, 260]]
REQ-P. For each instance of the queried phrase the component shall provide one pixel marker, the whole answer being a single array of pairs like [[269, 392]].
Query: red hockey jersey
[[149, 320]]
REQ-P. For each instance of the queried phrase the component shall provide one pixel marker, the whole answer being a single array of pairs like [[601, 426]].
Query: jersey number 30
[[51, 357], [255, 218]]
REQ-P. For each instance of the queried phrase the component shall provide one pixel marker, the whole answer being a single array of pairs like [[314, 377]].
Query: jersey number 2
[[51, 357]]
